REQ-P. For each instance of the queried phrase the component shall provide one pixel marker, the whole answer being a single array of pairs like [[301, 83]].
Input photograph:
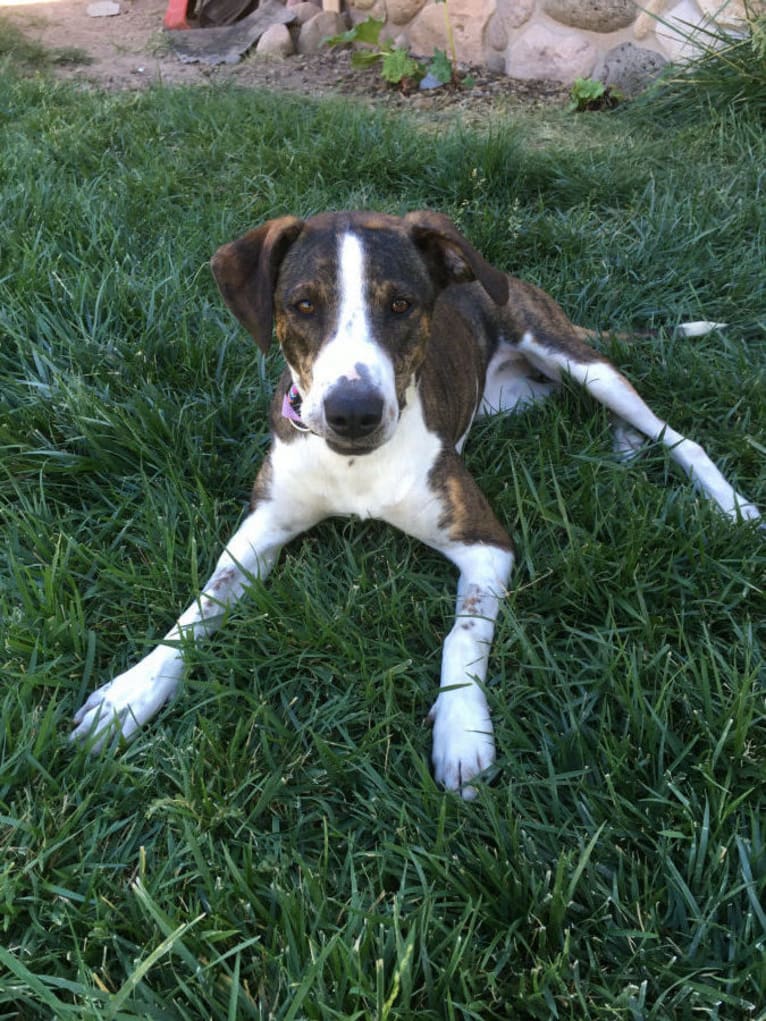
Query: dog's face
[[351, 295]]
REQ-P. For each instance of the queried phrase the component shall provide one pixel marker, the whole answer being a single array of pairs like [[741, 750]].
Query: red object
[[175, 15]]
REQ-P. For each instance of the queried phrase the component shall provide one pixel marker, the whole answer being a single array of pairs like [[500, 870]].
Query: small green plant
[[398, 67], [396, 64], [441, 67], [589, 94]]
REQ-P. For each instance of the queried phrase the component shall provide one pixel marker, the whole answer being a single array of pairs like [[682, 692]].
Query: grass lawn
[[273, 846]]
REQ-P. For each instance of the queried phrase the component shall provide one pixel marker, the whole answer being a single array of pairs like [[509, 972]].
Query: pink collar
[[291, 409]]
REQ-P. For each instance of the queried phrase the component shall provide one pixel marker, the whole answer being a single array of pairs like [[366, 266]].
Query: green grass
[[19, 52], [273, 846]]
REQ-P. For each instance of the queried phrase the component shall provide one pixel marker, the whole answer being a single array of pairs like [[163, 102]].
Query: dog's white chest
[[368, 485]]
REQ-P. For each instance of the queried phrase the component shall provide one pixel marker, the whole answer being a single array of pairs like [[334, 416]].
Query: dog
[[396, 334]]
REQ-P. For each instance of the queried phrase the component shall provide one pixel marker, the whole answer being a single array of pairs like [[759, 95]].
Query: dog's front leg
[[120, 707], [463, 741], [461, 525]]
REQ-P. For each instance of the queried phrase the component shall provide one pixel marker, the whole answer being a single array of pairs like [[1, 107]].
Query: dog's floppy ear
[[246, 273], [452, 259]]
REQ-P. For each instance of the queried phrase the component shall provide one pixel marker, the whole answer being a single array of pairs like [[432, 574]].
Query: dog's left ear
[[451, 257], [246, 272]]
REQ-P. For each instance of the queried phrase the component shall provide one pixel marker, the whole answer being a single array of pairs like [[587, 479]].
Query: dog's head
[[351, 295]]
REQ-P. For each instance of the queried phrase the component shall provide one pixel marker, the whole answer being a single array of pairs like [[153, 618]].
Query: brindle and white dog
[[396, 333]]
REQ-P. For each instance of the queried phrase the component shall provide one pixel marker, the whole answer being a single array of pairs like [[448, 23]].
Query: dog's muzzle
[[353, 412]]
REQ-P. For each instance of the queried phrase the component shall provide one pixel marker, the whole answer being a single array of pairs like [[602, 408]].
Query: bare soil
[[131, 51]]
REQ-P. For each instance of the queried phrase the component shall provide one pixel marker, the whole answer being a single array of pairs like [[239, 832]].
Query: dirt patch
[[130, 51]]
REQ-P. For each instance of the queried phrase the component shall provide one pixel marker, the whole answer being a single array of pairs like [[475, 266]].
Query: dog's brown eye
[[399, 306], [305, 307]]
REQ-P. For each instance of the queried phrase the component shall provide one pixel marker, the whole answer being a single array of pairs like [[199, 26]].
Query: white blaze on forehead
[[351, 344], [351, 350], [352, 318]]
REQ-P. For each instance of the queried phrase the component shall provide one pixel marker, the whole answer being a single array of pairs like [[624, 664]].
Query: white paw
[[744, 509], [733, 504], [463, 741], [626, 442], [117, 709]]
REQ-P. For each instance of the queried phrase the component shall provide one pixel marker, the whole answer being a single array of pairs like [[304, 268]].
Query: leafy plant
[[441, 67], [367, 31], [589, 94], [397, 65]]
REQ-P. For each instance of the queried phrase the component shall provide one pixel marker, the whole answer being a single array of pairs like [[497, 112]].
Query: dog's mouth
[[354, 419], [345, 448]]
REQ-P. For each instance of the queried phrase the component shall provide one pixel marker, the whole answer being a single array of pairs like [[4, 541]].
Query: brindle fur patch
[[467, 516], [309, 273], [530, 310]]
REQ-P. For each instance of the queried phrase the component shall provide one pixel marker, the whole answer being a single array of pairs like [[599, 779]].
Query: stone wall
[[618, 41]]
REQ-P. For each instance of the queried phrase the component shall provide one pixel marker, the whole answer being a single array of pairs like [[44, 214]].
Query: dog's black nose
[[353, 410]]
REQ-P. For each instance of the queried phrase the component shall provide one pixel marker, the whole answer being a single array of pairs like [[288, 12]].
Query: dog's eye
[[304, 307], [399, 306]]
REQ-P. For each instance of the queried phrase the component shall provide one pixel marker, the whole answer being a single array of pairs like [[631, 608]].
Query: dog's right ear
[[246, 273]]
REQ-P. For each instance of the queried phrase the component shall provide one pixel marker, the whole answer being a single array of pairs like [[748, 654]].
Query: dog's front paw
[[117, 709], [463, 741]]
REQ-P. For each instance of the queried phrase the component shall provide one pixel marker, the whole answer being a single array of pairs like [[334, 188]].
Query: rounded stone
[[495, 61], [402, 11], [592, 15], [361, 10], [427, 32], [497, 37], [730, 14], [317, 29], [543, 53], [276, 41], [515, 13], [305, 11], [630, 68]]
